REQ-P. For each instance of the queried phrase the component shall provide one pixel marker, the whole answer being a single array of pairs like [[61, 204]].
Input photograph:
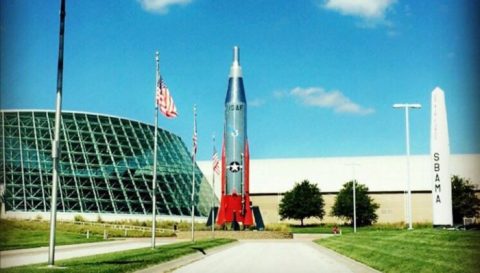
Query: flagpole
[[154, 180], [213, 190], [56, 141], [193, 169]]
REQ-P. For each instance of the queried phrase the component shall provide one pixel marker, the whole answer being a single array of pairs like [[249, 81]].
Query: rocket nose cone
[[236, 55], [236, 69]]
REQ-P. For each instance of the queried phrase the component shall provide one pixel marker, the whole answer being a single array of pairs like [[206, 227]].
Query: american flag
[[164, 100], [194, 138], [215, 162]]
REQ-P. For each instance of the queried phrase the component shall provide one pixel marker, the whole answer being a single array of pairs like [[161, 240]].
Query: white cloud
[[256, 102], [367, 9], [279, 94], [161, 6], [336, 100]]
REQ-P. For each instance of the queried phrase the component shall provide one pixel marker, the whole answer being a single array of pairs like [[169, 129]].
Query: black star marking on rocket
[[234, 167]]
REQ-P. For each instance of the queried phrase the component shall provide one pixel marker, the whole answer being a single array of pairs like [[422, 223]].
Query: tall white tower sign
[[440, 153]]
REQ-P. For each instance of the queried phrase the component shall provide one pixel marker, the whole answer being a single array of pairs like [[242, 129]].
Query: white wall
[[379, 173]]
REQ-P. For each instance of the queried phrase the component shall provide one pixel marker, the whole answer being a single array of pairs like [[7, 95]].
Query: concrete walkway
[[265, 256], [19, 257], [259, 256]]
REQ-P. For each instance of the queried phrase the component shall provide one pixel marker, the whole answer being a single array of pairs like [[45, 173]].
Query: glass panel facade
[[105, 166]]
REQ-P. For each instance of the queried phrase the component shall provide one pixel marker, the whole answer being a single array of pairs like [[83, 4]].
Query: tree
[[464, 201], [365, 207], [303, 201]]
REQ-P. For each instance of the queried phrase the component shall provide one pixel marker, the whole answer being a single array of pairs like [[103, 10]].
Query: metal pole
[[154, 180], [407, 139], [354, 198], [213, 205], [354, 208], [213, 190], [193, 175], [407, 132], [405, 202], [56, 141]]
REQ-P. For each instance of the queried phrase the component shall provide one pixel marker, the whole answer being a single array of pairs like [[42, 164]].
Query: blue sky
[[320, 76]]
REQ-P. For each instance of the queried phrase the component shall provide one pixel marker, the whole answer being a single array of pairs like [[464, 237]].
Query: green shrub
[[78, 218], [278, 227]]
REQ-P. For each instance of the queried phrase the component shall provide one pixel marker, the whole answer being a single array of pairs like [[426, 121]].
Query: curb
[[182, 261]]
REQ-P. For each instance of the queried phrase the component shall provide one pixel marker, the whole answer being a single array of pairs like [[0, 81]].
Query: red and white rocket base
[[236, 208], [231, 211]]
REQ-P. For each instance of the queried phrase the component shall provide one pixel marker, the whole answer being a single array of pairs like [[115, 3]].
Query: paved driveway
[[40, 255], [267, 256]]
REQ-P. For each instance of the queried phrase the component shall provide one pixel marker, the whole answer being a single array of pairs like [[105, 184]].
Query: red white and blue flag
[[215, 161], [164, 100], [195, 138]]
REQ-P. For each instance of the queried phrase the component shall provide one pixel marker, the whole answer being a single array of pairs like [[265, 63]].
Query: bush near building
[[465, 202]]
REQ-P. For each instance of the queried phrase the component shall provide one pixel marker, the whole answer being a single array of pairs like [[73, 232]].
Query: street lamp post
[[407, 106], [56, 140], [354, 198]]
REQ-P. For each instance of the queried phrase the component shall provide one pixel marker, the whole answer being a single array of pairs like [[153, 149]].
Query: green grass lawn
[[419, 250], [17, 234], [28, 234], [327, 228], [124, 261]]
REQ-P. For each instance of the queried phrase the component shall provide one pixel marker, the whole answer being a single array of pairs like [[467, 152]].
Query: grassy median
[[419, 250], [124, 261], [18, 234], [328, 228], [28, 234]]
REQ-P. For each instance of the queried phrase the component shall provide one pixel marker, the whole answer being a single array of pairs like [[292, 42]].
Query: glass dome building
[[105, 166]]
